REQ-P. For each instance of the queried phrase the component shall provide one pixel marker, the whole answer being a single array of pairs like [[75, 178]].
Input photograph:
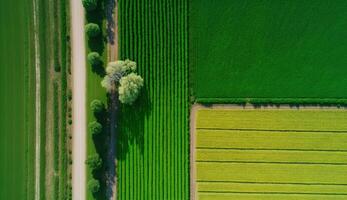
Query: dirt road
[[37, 101], [79, 100]]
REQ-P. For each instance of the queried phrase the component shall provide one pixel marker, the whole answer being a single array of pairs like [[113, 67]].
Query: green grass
[[17, 103], [153, 135], [271, 154], [268, 49]]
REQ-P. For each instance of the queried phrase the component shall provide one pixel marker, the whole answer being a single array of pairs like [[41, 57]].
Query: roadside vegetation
[[56, 107]]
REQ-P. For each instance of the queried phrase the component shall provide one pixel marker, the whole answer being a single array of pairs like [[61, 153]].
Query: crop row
[[153, 142]]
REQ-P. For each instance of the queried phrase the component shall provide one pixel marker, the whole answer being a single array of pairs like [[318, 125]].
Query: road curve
[[79, 100]]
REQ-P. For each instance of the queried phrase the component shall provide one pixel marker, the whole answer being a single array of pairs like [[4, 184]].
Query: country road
[[79, 100]]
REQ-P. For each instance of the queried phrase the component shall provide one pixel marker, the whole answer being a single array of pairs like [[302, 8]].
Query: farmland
[[17, 105], [153, 134], [270, 154], [285, 51]]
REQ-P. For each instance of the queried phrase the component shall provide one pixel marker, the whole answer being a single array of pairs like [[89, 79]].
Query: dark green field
[[17, 107], [153, 135], [268, 49]]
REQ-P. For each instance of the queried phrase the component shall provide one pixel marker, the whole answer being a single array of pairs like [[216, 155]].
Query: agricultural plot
[[282, 51], [270, 154], [153, 134], [17, 120]]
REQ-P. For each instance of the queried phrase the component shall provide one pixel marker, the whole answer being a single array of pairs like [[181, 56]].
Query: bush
[[93, 186], [69, 95], [94, 58], [92, 30], [94, 162], [95, 128], [97, 107], [90, 5]]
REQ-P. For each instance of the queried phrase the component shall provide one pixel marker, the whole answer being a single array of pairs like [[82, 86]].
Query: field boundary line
[[250, 106], [112, 48], [264, 149], [280, 193], [268, 183], [269, 130], [37, 101], [264, 162]]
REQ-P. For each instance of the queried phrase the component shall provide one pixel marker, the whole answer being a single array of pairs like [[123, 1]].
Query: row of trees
[[94, 162], [93, 31]]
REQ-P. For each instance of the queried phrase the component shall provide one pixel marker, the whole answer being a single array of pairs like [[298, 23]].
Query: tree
[[95, 128], [94, 186], [94, 162], [90, 5], [115, 71], [92, 30], [129, 88], [94, 58], [97, 107]]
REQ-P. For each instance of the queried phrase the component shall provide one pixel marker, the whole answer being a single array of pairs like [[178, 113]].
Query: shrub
[[95, 128], [69, 95], [92, 30], [97, 107], [94, 58], [93, 186], [90, 5], [129, 88], [94, 162]]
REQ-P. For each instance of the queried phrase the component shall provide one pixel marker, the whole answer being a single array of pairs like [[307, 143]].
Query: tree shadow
[[101, 146], [97, 43], [130, 127], [99, 69]]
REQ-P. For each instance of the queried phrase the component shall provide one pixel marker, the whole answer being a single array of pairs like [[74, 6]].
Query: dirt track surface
[[79, 100]]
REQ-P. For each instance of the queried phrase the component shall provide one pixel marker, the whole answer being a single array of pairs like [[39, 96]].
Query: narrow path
[[112, 47], [79, 100], [37, 101]]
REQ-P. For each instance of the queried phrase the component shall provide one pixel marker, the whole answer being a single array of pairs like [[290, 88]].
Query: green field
[[153, 135], [18, 112], [271, 154], [268, 49]]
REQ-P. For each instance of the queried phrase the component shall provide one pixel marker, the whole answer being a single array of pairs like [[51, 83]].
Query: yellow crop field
[[248, 154]]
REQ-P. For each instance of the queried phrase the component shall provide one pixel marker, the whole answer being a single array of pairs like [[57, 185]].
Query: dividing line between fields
[[270, 183], [37, 101], [262, 149], [261, 162], [271, 130], [280, 193]]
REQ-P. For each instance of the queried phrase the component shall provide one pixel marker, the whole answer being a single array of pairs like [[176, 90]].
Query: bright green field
[[153, 135], [271, 154], [268, 49], [17, 107]]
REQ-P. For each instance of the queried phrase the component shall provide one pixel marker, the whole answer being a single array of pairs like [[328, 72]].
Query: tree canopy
[[97, 107], [95, 128], [92, 30], [129, 88], [94, 162], [94, 186], [90, 5], [122, 74], [94, 58]]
